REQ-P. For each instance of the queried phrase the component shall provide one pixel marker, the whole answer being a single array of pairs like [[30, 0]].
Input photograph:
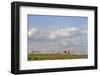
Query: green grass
[[32, 57]]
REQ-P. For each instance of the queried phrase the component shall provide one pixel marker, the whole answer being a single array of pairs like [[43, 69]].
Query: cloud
[[84, 31], [64, 38], [33, 31], [63, 33], [36, 34]]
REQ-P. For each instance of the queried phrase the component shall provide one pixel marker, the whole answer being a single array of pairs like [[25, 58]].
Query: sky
[[47, 33]]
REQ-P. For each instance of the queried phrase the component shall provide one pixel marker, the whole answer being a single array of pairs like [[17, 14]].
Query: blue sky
[[56, 21], [57, 33]]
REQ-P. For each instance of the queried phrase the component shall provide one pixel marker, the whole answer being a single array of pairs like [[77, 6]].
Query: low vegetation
[[32, 56]]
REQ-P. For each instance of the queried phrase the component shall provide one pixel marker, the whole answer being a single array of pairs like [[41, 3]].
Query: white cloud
[[58, 39], [62, 33], [84, 31], [64, 43], [33, 31], [58, 34]]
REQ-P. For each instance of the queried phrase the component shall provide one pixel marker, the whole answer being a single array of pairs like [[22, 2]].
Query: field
[[32, 57]]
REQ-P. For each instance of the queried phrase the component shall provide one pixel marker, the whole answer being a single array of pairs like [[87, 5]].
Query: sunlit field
[[32, 57]]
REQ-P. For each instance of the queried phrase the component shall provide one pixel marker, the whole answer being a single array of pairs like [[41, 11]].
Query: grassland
[[32, 57]]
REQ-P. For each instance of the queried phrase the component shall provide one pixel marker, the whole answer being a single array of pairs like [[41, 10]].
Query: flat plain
[[32, 57]]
